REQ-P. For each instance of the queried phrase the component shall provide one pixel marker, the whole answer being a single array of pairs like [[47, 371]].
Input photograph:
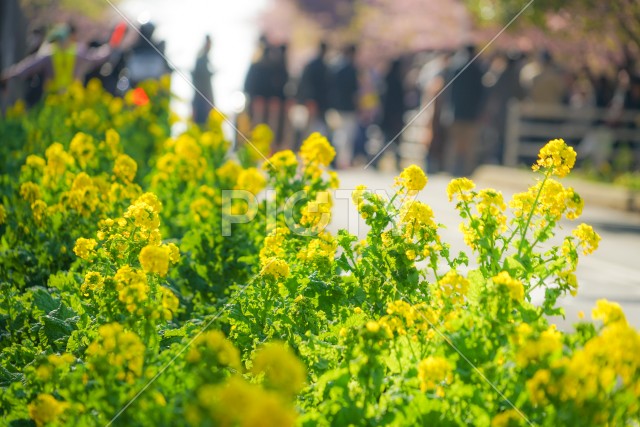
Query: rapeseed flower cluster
[[317, 149], [556, 157], [275, 268], [116, 350], [412, 179], [513, 286], [434, 373]]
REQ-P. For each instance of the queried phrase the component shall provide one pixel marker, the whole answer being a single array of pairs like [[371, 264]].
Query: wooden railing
[[530, 126]]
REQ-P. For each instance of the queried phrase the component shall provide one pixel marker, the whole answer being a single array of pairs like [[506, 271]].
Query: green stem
[[530, 217]]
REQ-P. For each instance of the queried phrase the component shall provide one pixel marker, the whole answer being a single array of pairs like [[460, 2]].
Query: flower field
[[149, 279]]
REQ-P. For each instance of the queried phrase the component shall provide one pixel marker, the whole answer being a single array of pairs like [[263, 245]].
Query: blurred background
[[449, 84]]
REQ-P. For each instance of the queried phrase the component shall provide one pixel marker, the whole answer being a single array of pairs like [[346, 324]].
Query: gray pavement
[[612, 272]]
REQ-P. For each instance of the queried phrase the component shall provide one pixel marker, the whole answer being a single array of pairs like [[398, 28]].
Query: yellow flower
[[39, 208], [216, 349], [317, 213], [125, 168], [57, 160], [151, 200], [459, 187], [531, 349], [316, 148], [415, 216], [609, 312], [358, 194], [46, 409], [275, 268], [112, 140], [174, 253], [273, 243], [155, 259], [84, 248], [491, 202], [251, 180], [116, 349], [589, 239], [508, 418], [144, 212], [132, 288], [282, 160], [30, 192], [229, 171], [281, 368], [261, 137], [557, 157], [82, 148], [372, 326], [433, 372], [412, 178], [93, 281], [334, 181], [170, 303], [35, 162], [454, 286], [536, 386], [201, 208], [515, 287]]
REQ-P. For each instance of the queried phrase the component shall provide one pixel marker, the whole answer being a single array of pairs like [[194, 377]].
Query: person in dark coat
[[313, 88], [201, 77], [343, 97], [257, 85], [393, 107], [467, 99]]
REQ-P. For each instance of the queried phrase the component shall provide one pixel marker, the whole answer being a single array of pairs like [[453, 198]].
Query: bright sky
[[183, 25]]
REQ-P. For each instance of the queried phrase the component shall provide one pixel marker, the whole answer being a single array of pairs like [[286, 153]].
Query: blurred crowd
[[120, 60], [458, 101], [445, 110]]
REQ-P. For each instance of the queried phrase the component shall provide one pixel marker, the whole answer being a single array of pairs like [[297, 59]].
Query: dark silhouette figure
[[146, 60], [343, 94], [393, 107], [467, 98], [201, 76], [313, 89]]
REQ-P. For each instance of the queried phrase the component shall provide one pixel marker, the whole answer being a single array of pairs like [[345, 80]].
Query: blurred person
[[343, 94], [436, 106], [393, 108], [313, 88], [34, 83], [201, 77], [504, 88], [61, 63], [146, 59], [368, 115], [257, 85], [278, 96], [467, 100], [548, 86]]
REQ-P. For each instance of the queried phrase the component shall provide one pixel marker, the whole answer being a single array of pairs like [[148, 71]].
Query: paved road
[[612, 272]]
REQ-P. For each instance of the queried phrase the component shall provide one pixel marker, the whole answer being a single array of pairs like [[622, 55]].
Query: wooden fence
[[592, 130]]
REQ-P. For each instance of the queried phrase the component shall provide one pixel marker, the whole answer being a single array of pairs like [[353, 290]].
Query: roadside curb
[[593, 193]]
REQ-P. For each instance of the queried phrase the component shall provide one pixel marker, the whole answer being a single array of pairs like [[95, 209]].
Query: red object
[[139, 96], [118, 34]]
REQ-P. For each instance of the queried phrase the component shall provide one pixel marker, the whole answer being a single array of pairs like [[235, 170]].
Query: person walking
[[313, 88], [467, 98], [393, 108], [201, 77], [343, 93]]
